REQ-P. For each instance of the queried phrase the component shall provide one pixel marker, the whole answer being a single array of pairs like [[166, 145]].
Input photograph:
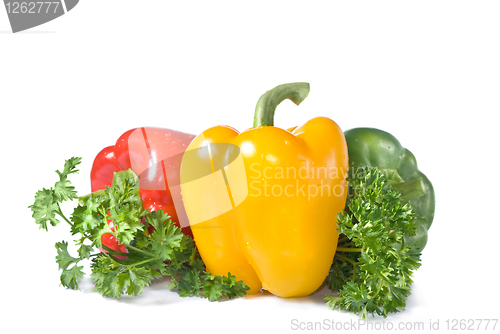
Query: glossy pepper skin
[[377, 148], [104, 166], [150, 152], [282, 236]]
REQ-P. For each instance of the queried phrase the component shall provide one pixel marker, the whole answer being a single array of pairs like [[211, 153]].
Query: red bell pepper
[[145, 151]]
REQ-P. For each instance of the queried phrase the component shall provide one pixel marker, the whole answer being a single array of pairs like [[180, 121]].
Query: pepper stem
[[266, 106]]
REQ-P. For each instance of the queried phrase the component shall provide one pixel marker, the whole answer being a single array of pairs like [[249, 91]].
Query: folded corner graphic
[[70, 4], [24, 15], [212, 181]]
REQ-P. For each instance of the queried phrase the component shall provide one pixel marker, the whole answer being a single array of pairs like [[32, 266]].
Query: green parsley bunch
[[166, 251], [372, 268]]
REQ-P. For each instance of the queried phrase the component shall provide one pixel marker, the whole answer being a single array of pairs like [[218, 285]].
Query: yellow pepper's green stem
[[266, 106]]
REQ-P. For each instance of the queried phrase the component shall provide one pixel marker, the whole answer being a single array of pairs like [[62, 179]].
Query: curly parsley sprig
[[372, 268], [47, 201], [166, 251]]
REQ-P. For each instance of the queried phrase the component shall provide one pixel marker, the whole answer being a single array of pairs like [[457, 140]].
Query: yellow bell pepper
[[262, 204]]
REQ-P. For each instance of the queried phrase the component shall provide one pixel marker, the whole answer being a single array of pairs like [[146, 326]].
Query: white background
[[426, 71]]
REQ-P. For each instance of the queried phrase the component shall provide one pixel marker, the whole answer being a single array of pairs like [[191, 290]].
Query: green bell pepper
[[377, 148]]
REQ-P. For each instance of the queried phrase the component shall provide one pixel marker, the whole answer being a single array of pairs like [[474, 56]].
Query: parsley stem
[[341, 240], [131, 265], [141, 262], [140, 251], [342, 257], [113, 252], [349, 249], [59, 212]]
